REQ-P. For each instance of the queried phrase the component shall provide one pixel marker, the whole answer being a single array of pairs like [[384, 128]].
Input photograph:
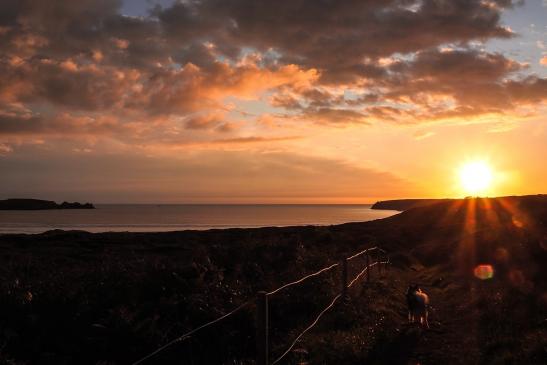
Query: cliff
[[406, 204]]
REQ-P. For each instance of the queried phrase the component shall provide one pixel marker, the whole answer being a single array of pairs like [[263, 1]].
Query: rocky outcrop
[[37, 204]]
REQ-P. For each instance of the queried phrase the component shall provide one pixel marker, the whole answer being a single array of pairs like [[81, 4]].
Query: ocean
[[176, 217]]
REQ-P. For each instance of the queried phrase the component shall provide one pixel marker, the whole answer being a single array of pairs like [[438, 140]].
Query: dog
[[417, 302]]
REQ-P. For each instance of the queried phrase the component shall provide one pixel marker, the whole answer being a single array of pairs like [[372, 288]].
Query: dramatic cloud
[[64, 124], [331, 35], [186, 58], [434, 84], [227, 74]]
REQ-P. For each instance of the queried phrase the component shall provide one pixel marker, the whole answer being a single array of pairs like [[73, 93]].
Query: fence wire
[[365, 270], [307, 329], [302, 279], [362, 252], [316, 320], [188, 334]]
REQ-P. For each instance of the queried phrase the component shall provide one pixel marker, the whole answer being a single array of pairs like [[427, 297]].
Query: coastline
[[127, 293], [176, 217]]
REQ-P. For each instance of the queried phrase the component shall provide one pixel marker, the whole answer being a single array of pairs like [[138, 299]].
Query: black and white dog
[[417, 302]]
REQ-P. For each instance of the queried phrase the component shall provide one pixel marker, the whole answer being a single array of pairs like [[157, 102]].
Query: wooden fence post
[[344, 266], [262, 329], [368, 268]]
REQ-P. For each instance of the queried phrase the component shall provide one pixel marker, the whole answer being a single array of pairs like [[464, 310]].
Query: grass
[[75, 297]]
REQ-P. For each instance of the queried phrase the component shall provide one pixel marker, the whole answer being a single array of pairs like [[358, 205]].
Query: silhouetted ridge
[[406, 204]]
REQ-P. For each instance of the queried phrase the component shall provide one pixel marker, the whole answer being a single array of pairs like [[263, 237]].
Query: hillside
[[406, 204], [111, 298]]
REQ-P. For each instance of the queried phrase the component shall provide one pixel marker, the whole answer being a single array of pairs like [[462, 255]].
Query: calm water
[[155, 218]]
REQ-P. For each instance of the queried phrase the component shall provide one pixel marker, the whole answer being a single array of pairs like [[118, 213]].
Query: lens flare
[[484, 272], [517, 222]]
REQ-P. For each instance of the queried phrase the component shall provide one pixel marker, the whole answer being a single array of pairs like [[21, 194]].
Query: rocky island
[[38, 204]]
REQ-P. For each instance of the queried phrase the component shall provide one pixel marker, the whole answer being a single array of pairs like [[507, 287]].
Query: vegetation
[[111, 298]]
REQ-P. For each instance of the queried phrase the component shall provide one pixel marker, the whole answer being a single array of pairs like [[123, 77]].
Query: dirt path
[[452, 336]]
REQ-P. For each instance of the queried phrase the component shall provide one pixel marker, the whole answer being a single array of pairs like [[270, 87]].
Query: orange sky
[[276, 102]]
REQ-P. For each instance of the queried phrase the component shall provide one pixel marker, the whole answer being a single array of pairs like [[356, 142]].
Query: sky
[[250, 101]]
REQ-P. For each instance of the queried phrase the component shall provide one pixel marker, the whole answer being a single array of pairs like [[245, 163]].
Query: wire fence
[[366, 270], [308, 328], [364, 252], [262, 307], [299, 281], [188, 334], [334, 300]]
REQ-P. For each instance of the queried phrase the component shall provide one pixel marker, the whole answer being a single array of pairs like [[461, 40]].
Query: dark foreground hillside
[[111, 298]]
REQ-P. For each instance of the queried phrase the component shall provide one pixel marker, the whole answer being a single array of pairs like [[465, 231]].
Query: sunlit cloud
[[204, 75], [423, 134]]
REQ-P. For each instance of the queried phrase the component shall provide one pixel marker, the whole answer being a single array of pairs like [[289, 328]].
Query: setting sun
[[475, 177], [191, 178]]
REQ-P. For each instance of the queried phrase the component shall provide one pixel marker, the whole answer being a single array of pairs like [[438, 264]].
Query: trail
[[453, 334], [372, 327]]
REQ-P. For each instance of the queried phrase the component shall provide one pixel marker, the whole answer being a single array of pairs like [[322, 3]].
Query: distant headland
[[406, 204], [37, 204]]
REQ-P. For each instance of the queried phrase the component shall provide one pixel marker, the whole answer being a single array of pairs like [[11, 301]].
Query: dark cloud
[[530, 90], [332, 36], [461, 66], [203, 122], [253, 139], [12, 124], [332, 115], [336, 36], [67, 86], [467, 77], [435, 84], [473, 81], [286, 101], [84, 57], [64, 124]]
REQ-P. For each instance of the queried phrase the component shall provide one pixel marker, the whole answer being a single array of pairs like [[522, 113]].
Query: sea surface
[[161, 218]]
